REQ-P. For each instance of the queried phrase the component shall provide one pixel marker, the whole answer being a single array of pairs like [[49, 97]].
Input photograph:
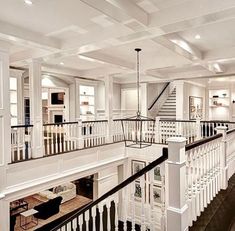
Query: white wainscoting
[[32, 176]]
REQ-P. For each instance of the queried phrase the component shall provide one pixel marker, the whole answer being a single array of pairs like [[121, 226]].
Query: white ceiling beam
[[182, 12], [27, 38], [109, 59], [155, 73], [108, 9], [132, 10], [180, 47]]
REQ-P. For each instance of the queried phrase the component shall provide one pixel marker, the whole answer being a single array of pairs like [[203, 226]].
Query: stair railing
[[158, 97], [107, 211]]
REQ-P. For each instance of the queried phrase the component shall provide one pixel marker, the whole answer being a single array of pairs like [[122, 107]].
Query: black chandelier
[[138, 131]]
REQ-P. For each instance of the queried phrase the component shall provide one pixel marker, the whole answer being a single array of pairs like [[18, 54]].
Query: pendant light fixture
[[138, 130]]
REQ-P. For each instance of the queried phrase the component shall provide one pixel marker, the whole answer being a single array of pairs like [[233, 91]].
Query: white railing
[[165, 129], [203, 174], [196, 173], [208, 128], [229, 138], [60, 137], [117, 131], [94, 133], [117, 113], [21, 148]]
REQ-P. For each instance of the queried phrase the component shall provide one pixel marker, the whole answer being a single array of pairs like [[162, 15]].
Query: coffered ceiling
[[94, 38]]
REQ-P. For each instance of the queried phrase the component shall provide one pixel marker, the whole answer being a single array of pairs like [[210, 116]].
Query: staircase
[[168, 109]]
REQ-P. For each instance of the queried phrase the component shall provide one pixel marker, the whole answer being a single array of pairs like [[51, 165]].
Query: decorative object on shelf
[[195, 107], [215, 96], [233, 101], [224, 94], [138, 130]]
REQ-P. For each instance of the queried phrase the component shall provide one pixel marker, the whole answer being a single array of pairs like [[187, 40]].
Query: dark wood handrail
[[230, 131], [22, 126], [217, 121], [117, 188], [62, 123], [159, 96], [172, 120], [94, 121], [202, 141]]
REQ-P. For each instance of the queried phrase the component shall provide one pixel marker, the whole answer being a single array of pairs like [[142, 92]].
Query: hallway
[[220, 214]]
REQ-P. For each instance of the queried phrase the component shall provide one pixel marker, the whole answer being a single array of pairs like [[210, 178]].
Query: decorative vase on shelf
[[224, 95]]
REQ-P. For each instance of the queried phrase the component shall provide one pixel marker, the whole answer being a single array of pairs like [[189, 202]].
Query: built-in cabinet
[[220, 104]]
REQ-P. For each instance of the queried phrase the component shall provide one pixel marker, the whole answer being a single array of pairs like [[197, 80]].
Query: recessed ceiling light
[[197, 36], [61, 63], [28, 2]]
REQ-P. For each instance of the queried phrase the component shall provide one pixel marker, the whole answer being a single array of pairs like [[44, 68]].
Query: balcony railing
[[21, 136], [70, 136]]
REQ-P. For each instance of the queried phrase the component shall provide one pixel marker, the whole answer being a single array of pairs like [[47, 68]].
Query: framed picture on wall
[[195, 107], [157, 199], [137, 165], [138, 191]]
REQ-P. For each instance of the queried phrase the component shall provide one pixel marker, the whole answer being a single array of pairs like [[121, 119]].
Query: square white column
[[35, 92]]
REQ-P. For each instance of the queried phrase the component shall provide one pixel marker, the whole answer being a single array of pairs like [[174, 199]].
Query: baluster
[[29, 142], [56, 138], [101, 209], [22, 133], [93, 215], [116, 203], [87, 217], [60, 136], [132, 203], [108, 206], [142, 186], [193, 186], [52, 139], [124, 208], [80, 220], [151, 199], [75, 224], [18, 144]]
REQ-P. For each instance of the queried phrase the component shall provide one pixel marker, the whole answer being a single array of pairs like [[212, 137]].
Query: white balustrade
[[165, 129], [117, 131], [203, 175], [21, 148]]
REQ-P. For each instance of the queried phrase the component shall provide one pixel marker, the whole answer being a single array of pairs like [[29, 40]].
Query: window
[[13, 100]]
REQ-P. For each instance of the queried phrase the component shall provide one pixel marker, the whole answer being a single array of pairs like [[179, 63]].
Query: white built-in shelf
[[226, 97], [219, 105], [86, 95]]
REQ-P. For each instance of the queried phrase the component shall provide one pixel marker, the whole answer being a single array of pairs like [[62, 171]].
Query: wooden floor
[[65, 208], [220, 214]]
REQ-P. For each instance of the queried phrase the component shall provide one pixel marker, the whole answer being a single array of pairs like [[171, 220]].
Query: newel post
[[223, 156], [157, 129], [79, 134], [177, 208], [198, 129]]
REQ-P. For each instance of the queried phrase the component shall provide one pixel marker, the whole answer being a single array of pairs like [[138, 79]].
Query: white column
[[109, 106], [35, 92], [5, 136], [72, 103], [180, 104], [143, 99], [157, 130], [177, 210], [223, 157]]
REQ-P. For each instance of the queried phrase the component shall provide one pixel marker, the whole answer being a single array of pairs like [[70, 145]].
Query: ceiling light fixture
[[28, 2], [61, 63], [197, 36], [138, 130]]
